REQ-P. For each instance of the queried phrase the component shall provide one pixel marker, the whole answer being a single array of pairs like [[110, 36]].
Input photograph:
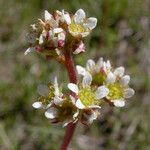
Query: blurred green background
[[122, 35]]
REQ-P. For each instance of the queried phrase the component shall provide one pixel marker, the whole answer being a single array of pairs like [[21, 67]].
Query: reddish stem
[[68, 136], [73, 79], [70, 67]]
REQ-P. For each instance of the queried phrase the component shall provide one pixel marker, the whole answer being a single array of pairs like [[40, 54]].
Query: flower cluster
[[59, 107], [114, 84], [52, 35], [98, 83], [58, 36]]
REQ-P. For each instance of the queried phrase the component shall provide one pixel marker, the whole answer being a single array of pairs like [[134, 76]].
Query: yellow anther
[[115, 91], [75, 28], [87, 96]]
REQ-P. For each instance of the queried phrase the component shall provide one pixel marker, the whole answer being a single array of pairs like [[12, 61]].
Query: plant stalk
[[73, 79]]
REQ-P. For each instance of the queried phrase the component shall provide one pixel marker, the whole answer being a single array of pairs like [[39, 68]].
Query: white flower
[[48, 95], [87, 97], [94, 68], [117, 83], [98, 70], [79, 25]]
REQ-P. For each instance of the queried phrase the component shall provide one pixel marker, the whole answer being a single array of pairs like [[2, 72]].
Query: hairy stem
[[73, 79]]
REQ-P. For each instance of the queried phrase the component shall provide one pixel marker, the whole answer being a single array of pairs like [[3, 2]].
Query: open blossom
[[119, 90], [51, 35], [49, 94], [98, 70], [114, 80], [88, 97], [59, 107], [78, 24]]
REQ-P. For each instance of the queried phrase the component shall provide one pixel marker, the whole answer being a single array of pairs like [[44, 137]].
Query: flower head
[[119, 90], [88, 97], [115, 81], [80, 25], [50, 36], [46, 36], [98, 70], [49, 94]]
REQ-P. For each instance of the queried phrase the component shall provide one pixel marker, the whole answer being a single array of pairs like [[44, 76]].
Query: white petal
[[51, 113], [81, 70], [41, 39], [108, 64], [119, 71], [61, 36], [101, 92], [125, 80], [47, 15], [79, 16], [119, 103], [80, 48], [78, 51], [73, 87], [73, 100], [30, 49], [76, 114], [66, 123], [43, 90], [91, 23], [90, 64], [37, 105], [87, 79], [92, 117], [99, 63], [58, 100], [58, 51], [57, 30], [79, 104], [67, 18], [128, 92], [110, 78], [95, 106], [56, 86]]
